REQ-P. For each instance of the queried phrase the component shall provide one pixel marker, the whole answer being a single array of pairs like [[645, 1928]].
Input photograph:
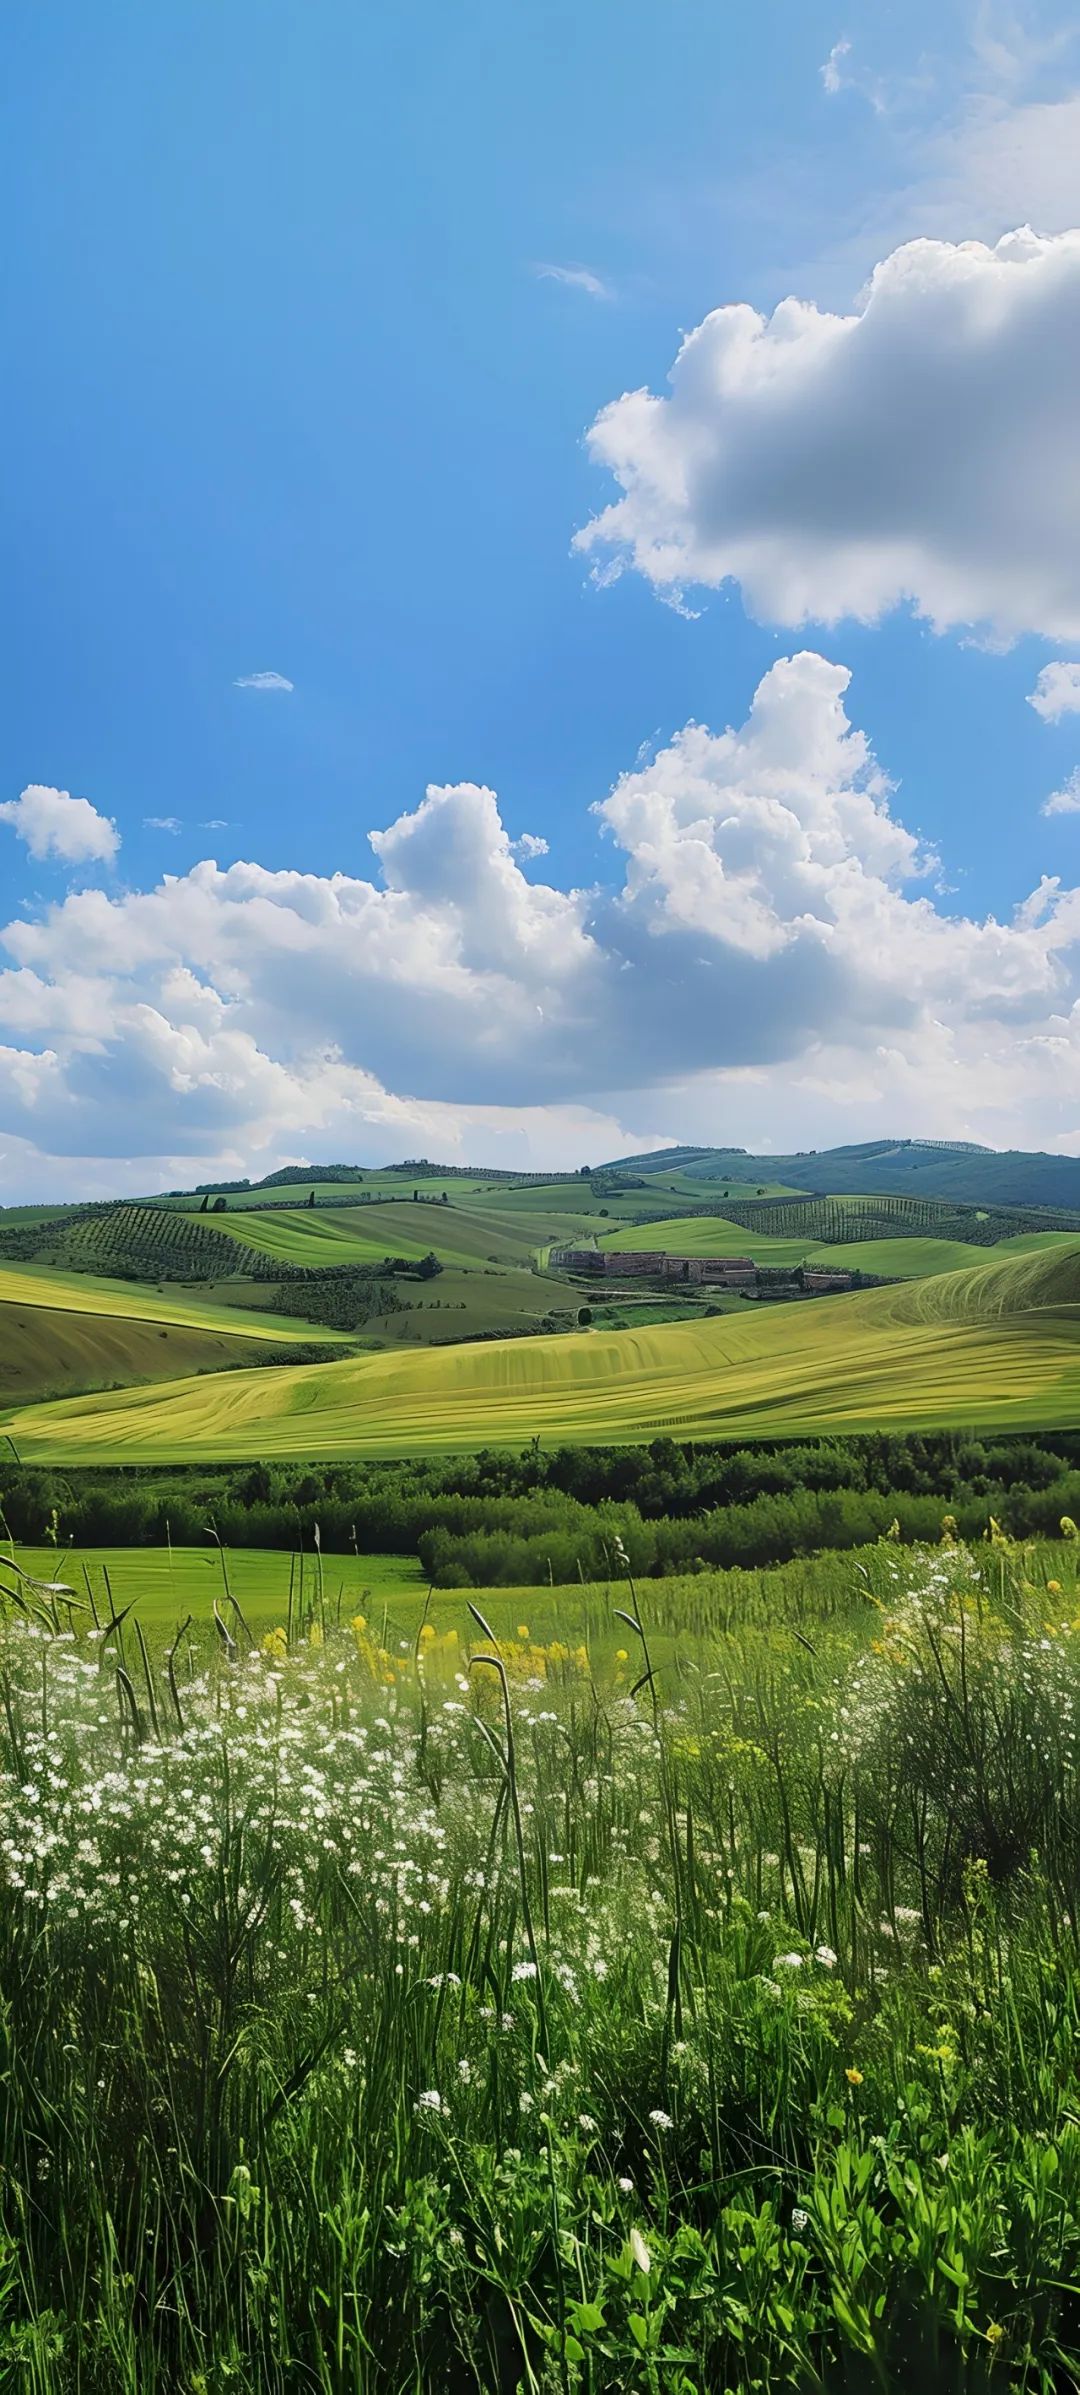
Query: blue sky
[[310, 308]]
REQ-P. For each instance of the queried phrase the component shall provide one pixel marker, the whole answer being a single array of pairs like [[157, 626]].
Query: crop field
[[48, 1351], [673, 1999], [997, 1344], [129, 1301], [364, 1234], [462, 1303], [63, 1333]]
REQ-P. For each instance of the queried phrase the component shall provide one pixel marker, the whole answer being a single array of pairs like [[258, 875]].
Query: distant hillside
[[897, 1168], [995, 1346]]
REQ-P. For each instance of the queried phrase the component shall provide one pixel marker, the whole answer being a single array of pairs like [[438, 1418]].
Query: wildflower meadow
[[691, 2005]]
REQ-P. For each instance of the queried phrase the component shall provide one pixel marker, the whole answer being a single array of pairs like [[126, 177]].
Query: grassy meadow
[[678, 1992], [166, 1584], [994, 1345]]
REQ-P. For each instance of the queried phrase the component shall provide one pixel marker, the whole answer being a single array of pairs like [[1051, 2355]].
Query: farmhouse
[[718, 1272], [729, 1272]]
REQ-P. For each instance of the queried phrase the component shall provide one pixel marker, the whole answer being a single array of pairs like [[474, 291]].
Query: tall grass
[[589, 2019]]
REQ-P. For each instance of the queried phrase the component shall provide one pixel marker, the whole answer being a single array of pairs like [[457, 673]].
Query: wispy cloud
[[1065, 801], [832, 73], [837, 76], [214, 823], [576, 278], [263, 682], [162, 823]]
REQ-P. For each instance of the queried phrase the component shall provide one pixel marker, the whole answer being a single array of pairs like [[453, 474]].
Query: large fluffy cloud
[[923, 449], [56, 825], [770, 925]]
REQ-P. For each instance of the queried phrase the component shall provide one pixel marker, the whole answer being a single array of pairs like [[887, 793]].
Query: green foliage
[[500, 1519], [369, 2022]]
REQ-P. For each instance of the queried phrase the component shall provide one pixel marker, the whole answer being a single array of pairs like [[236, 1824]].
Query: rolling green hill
[[28, 1285], [60, 1333], [342, 1234], [997, 1345]]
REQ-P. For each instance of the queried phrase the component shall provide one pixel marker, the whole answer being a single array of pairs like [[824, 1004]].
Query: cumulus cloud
[[530, 844], [768, 928], [1057, 691], [920, 450], [162, 823], [55, 825], [576, 278], [1065, 801], [263, 682]]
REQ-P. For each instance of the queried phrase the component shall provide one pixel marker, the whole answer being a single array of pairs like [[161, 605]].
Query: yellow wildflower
[[854, 2076]]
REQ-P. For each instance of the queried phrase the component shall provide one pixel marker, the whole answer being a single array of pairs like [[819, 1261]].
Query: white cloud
[[1065, 801], [576, 278], [56, 825], [1057, 691], [838, 76], [530, 844], [162, 823], [921, 450], [263, 682], [832, 73], [769, 942]]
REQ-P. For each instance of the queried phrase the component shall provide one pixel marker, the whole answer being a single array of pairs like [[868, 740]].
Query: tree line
[[492, 1518]]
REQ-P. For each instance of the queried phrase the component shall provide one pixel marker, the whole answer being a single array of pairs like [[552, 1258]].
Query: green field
[[326, 1235], [61, 1334], [363, 1234], [996, 1344], [916, 1259], [165, 1584], [85, 1293], [58, 1352]]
